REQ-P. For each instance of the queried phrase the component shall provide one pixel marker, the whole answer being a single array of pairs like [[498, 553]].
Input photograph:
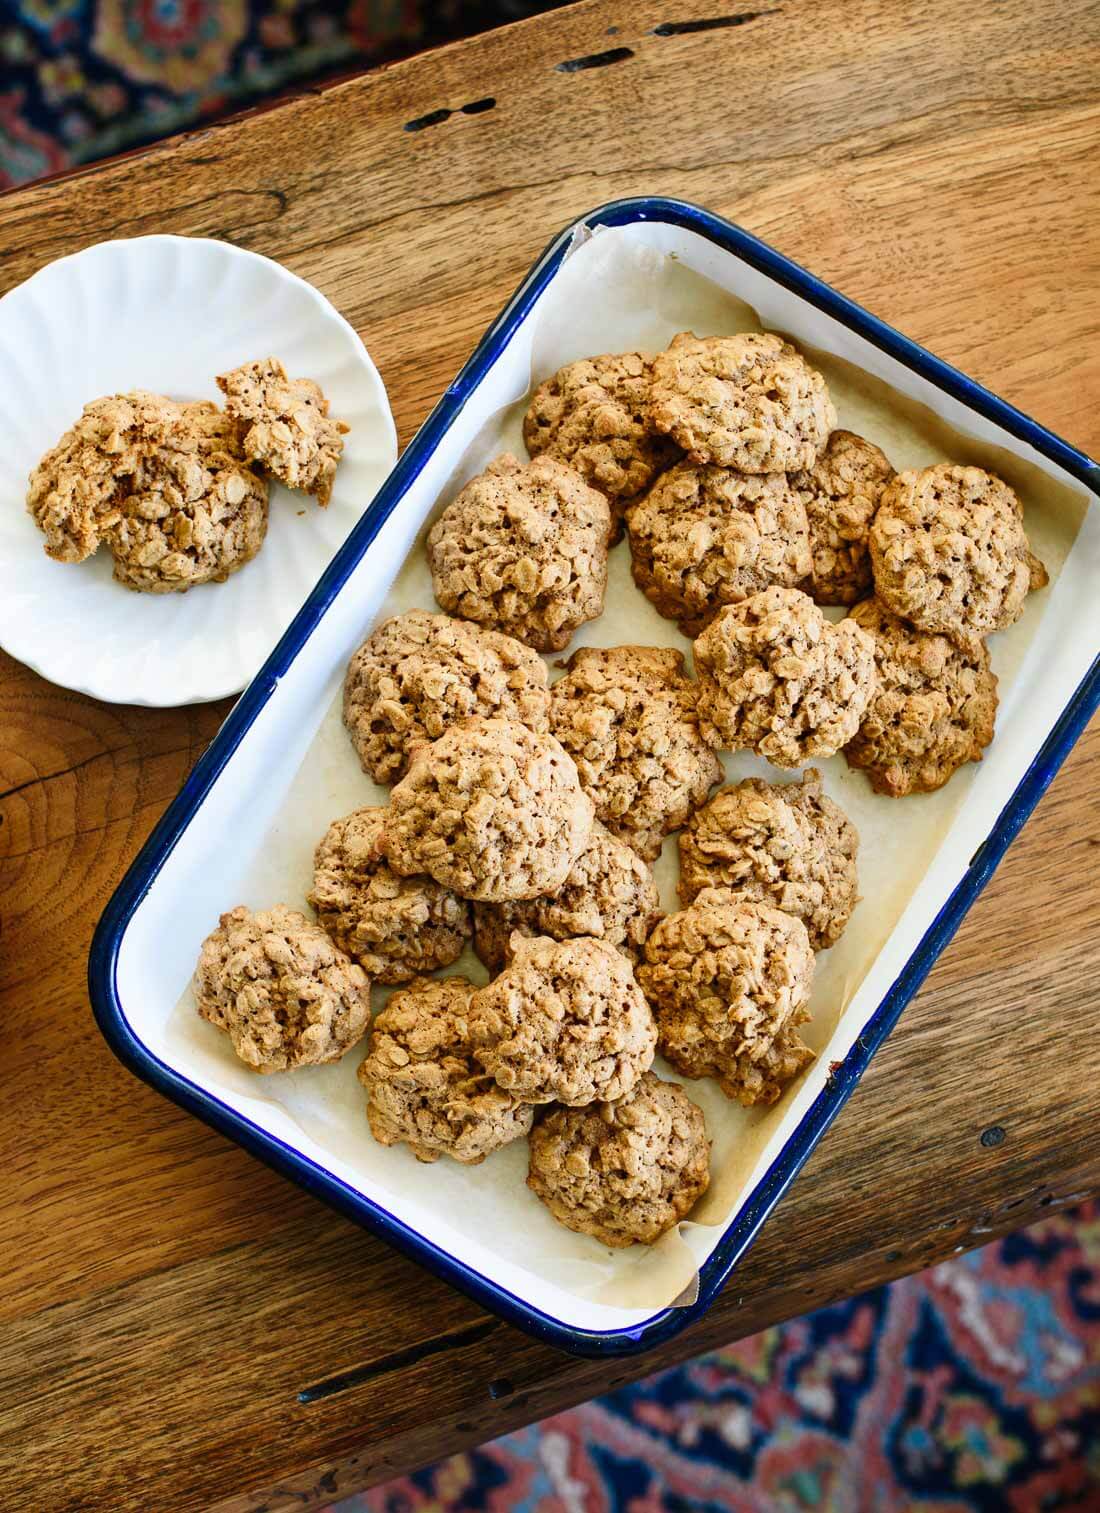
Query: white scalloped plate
[[167, 313]]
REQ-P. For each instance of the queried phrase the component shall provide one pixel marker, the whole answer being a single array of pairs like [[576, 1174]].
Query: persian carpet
[[970, 1388]]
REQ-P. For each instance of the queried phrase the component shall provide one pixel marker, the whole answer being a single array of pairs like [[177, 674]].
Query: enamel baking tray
[[187, 872]]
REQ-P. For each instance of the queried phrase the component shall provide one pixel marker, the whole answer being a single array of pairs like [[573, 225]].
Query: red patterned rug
[[972, 1388]]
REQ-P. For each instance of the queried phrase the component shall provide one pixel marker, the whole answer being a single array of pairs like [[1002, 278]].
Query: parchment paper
[[613, 295]]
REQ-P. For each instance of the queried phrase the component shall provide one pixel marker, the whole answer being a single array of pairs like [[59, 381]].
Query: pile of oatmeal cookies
[[178, 492], [524, 814]]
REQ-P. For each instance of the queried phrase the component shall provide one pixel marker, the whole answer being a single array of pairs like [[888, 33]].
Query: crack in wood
[[594, 60], [437, 117], [710, 23], [397, 1360]]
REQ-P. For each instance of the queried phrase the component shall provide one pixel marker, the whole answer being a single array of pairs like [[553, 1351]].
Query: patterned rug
[[80, 79], [972, 1388]]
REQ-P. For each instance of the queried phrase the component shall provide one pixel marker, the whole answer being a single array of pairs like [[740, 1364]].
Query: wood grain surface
[[179, 1328]]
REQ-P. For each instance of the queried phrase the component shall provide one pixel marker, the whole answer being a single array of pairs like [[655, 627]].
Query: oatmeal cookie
[[395, 927], [777, 677], [492, 810], [704, 537], [418, 674], [523, 549], [286, 426], [623, 1172], [564, 1022], [729, 981], [750, 402], [841, 494], [196, 511], [950, 553], [628, 718], [610, 894], [594, 415], [788, 845], [76, 491], [424, 1085], [933, 709], [279, 988]]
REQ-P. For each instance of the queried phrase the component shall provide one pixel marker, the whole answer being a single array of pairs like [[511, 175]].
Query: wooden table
[[180, 1328]]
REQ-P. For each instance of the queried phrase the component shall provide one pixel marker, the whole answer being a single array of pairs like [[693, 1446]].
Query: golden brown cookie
[[778, 678], [279, 988], [395, 927], [491, 810], [623, 1172], [933, 709], [628, 718], [523, 549], [286, 427], [594, 415], [418, 674], [163, 484], [950, 553], [196, 512], [610, 894], [788, 845], [705, 536], [841, 494], [76, 491], [425, 1088], [564, 1022], [729, 980], [750, 402]]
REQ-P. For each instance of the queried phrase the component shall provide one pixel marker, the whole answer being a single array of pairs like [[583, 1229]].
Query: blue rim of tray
[[845, 1074]]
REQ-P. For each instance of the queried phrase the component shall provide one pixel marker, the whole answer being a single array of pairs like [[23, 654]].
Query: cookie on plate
[[704, 537], [76, 491], [424, 1086], [594, 415], [523, 549], [163, 484], [841, 494], [729, 981], [279, 988], [286, 427], [196, 512], [950, 553], [776, 677], [490, 810], [564, 1022], [628, 718], [418, 674], [933, 709], [623, 1172], [395, 927], [610, 894], [750, 401], [788, 845]]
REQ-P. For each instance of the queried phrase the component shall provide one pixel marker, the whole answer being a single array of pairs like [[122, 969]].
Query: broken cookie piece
[[287, 428]]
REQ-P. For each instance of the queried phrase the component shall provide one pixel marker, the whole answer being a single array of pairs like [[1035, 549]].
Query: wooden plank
[[167, 1300]]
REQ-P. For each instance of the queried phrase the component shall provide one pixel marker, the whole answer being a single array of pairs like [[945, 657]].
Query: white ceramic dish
[[280, 769], [168, 313]]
